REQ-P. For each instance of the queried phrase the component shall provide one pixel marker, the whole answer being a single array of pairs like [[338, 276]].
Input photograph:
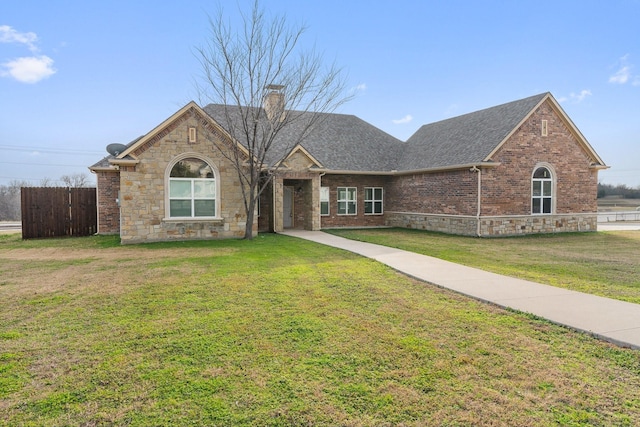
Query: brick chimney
[[274, 103]]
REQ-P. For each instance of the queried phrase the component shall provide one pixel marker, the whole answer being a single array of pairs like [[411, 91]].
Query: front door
[[287, 220]]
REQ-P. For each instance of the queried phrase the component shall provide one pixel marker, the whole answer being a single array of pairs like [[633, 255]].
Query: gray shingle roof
[[337, 141], [343, 142], [465, 139], [104, 162]]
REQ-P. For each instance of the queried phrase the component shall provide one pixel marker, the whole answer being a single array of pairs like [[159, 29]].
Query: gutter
[[410, 172]]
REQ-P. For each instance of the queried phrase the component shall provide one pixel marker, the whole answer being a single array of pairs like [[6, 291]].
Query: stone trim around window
[[214, 175]]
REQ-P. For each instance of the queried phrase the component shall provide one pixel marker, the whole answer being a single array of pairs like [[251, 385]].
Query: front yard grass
[[602, 263], [279, 332]]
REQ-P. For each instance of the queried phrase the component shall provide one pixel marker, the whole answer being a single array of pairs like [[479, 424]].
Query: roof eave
[[478, 165], [481, 165], [95, 169], [124, 162]]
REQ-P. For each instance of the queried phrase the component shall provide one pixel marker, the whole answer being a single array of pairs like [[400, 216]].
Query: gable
[[555, 114], [172, 123], [299, 159]]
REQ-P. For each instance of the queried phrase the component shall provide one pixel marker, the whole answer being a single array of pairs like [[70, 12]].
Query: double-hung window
[[542, 191], [347, 198], [324, 200], [373, 201], [192, 189]]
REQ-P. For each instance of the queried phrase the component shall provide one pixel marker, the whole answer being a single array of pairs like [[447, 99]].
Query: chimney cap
[[275, 87]]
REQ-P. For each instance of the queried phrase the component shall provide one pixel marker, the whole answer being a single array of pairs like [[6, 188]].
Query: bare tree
[[264, 85], [10, 200], [76, 180], [46, 182]]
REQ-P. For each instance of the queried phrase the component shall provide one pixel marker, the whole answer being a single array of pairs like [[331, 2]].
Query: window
[[347, 201], [373, 201], [192, 189], [542, 191], [324, 200]]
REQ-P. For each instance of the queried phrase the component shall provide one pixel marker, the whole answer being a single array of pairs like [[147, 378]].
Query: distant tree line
[[10, 194], [620, 190]]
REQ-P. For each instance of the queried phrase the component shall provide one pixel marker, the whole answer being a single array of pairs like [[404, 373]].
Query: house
[[517, 168]]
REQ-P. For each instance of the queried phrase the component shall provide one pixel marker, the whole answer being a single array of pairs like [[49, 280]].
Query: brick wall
[[447, 201], [449, 193], [506, 189], [265, 221], [108, 183], [360, 182]]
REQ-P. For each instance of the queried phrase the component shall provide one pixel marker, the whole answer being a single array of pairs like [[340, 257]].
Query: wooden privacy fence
[[58, 211]]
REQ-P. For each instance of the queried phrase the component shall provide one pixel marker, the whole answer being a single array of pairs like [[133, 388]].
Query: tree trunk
[[248, 229]]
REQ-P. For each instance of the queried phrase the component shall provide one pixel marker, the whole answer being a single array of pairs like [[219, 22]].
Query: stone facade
[[143, 188], [493, 226], [306, 200]]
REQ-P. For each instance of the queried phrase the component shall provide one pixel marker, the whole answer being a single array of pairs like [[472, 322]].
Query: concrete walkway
[[612, 320]]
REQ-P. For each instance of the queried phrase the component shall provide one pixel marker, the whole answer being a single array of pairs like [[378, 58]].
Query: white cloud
[[405, 119], [29, 69], [9, 35], [581, 96], [624, 74], [621, 76], [576, 97]]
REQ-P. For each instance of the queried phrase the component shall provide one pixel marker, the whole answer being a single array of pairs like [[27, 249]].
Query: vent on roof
[[192, 135], [544, 128]]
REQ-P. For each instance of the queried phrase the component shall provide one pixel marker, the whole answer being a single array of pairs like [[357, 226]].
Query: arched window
[[192, 189], [542, 191]]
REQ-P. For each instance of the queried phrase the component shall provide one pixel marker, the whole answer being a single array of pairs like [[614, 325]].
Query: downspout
[[479, 171], [320, 187]]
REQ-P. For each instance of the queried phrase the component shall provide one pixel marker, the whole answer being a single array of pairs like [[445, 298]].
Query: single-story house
[[517, 168]]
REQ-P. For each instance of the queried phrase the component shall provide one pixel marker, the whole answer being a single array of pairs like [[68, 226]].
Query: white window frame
[[547, 193], [373, 200], [326, 199], [348, 200], [215, 197]]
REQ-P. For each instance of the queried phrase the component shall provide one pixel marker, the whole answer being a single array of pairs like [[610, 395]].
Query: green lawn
[[603, 263], [279, 332]]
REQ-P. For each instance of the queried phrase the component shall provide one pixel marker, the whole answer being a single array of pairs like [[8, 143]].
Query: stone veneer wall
[[532, 224], [144, 215], [108, 210], [450, 224], [306, 202], [493, 226]]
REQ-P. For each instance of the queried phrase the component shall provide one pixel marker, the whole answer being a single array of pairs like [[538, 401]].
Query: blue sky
[[76, 76]]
